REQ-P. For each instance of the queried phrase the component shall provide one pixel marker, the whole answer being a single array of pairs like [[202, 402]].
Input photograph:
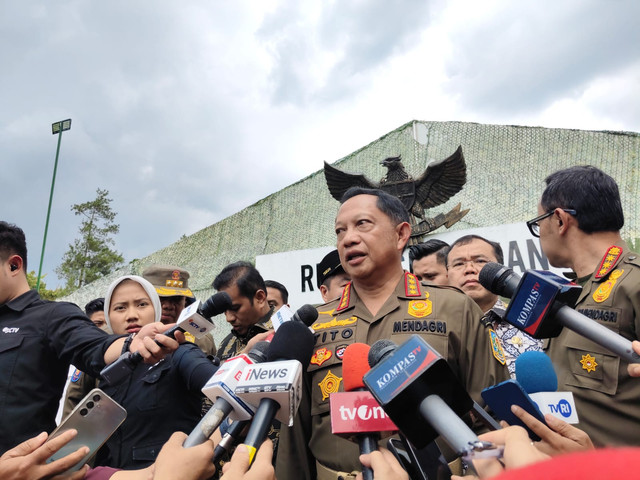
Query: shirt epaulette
[[411, 285], [345, 298], [608, 261]]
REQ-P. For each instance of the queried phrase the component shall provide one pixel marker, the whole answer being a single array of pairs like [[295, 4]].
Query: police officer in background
[[382, 301], [331, 277], [579, 221], [172, 285]]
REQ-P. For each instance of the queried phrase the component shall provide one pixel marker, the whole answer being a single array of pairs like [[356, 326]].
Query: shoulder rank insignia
[[321, 356], [496, 347], [411, 285], [589, 363], [345, 298], [329, 384], [605, 288], [76, 375], [420, 308], [608, 261]]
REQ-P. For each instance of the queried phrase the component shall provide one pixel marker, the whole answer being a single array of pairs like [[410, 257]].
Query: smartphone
[[500, 397], [95, 418]]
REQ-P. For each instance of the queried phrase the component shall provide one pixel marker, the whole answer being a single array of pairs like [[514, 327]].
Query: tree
[[91, 257], [46, 294]]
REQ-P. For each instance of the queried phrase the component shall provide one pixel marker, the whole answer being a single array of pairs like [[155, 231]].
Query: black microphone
[[422, 396], [230, 438], [276, 386], [220, 388], [193, 319], [542, 304]]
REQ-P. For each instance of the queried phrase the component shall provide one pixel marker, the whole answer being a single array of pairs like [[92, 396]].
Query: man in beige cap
[[172, 285]]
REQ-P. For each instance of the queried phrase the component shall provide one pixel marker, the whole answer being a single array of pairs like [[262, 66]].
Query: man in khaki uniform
[[382, 301], [80, 384], [579, 222], [172, 285]]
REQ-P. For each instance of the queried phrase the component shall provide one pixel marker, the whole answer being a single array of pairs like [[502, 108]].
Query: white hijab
[[150, 289]]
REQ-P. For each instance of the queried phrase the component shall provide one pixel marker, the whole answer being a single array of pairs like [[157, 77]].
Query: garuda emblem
[[439, 182]]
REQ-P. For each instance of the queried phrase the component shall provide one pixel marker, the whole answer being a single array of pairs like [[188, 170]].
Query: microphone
[[421, 394], [220, 388], [306, 314], [276, 386], [355, 414], [536, 375], [230, 438], [539, 306], [192, 319]]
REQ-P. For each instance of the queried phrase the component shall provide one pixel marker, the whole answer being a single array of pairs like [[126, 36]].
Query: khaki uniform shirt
[[445, 317], [607, 399]]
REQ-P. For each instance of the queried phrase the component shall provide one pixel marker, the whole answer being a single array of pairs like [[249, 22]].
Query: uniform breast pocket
[[152, 384], [9, 350], [591, 366], [325, 370]]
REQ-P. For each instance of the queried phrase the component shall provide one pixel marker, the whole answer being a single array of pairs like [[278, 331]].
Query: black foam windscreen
[[216, 304], [292, 341], [499, 279], [259, 352], [306, 314], [379, 350]]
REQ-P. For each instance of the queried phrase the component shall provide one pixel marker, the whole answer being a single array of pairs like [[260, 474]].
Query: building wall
[[506, 167]]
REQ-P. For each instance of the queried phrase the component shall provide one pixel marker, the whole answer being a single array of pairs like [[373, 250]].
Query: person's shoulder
[[327, 309], [441, 289]]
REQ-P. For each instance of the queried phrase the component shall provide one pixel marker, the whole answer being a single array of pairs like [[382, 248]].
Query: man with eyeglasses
[[465, 259], [579, 222]]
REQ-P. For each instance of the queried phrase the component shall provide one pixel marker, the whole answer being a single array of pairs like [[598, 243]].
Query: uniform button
[[340, 477], [632, 257]]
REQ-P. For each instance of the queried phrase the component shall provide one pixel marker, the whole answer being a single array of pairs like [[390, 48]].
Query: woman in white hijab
[[160, 399]]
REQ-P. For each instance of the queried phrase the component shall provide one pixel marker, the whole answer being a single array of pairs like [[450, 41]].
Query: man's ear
[[260, 297], [564, 220], [404, 233], [15, 263]]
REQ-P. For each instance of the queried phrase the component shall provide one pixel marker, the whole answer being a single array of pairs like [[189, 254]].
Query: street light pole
[[57, 127]]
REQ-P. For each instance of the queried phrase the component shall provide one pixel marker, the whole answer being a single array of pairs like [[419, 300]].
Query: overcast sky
[[189, 111]]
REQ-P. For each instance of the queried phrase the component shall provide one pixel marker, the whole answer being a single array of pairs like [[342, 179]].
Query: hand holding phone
[[95, 419], [28, 459]]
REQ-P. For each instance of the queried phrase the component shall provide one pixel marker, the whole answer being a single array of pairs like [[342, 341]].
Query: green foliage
[[32, 278], [91, 257], [634, 244]]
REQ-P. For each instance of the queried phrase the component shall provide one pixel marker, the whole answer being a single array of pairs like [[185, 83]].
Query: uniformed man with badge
[[382, 301], [172, 285], [579, 222]]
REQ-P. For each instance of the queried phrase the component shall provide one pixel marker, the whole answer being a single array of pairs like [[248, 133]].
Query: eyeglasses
[[534, 225], [478, 263]]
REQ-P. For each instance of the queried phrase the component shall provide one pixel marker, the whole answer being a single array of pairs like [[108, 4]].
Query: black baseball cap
[[329, 266]]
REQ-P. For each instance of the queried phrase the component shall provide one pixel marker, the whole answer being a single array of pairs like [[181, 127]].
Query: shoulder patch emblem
[[321, 356], [608, 261], [420, 308], [589, 363], [189, 337], [411, 285], [329, 384], [75, 377], [496, 347], [604, 290], [346, 296]]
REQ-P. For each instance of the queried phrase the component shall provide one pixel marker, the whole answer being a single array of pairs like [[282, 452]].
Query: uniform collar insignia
[[608, 261], [345, 299], [411, 285]]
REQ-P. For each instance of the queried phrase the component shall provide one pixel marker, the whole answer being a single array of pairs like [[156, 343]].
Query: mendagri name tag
[[358, 412], [194, 323]]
